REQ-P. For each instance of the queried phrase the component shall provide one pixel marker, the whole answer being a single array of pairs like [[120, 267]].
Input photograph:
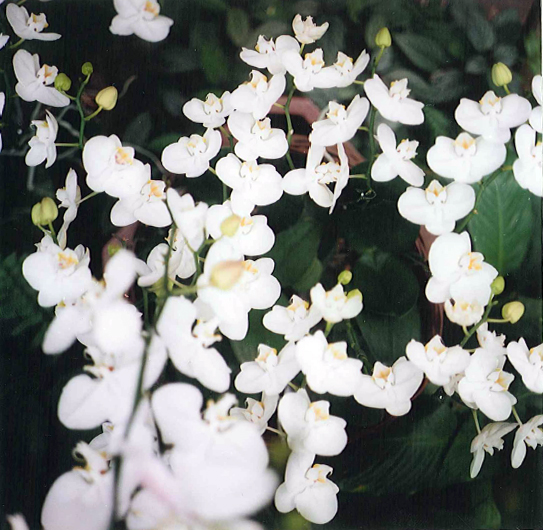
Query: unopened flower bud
[[355, 293], [44, 212], [513, 311], [226, 274], [383, 38], [230, 225], [497, 286], [87, 68], [501, 75], [345, 277], [107, 98], [63, 83]]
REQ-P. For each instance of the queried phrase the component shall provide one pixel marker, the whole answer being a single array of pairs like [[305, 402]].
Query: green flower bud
[[513, 311], [226, 274], [383, 38], [63, 83], [501, 75], [497, 286], [160, 289], [345, 277], [355, 293], [44, 212], [230, 225], [87, 68], [107, 98]]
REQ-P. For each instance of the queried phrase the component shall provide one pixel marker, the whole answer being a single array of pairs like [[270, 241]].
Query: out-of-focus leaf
[[446, 86], [423, 52], [177, 60], [506, 54], [532, 45], [355, 7], [439, 123], [310, 277], [138, 130], [476, 65], [270, 29], [173, 101], [469, 16], [161, 142], [238, 26], [420, 88], [375, 23], [507, 26]]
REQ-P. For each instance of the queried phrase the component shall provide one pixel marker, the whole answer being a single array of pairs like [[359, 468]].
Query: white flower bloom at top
[[349, 71], [256, 138], [488, 439], [393, 103], [191, 156], [396, 161], [28, 27], [457, 272], [438, 362], [42, 145], [437, 207], [69, 198], [528, 168], [335, 305], [310, 72], [390, 388], [294, 321], [491, 341], [528, 434], [485, 386], [211, 113], [257, 412], [528, 363], [493, 117], [258, 95], [34, 82], [327, 366], [307, 489], [140, 18], [464, 313], [536, 117], [465, 159], [267, 53], [306, 31], [341, 123]]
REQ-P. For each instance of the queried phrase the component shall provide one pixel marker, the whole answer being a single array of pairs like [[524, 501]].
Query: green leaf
[[504, 224], [310, 277], [446, 86], [238, 26], [438, 122], [423, 52], [376, 22], [469, 16], [476, 65], [159, 143], [177, 60], [506, 54], [138, 130]]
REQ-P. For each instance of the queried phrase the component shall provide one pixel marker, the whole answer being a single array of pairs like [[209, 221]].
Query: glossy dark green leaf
[[238, 26], [476, 65], [138, 130], [423, 52]]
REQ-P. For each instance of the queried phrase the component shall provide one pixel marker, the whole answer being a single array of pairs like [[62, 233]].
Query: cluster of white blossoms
[[167, 460]]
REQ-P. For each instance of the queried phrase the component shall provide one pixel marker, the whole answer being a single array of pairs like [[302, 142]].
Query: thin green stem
[[357, 82], [90, 195], [480, 323], [293, 386], [358, 176], [67, 145], [80, 110], [271, 429], [229, 136], [517, 417], [328, 329], [53, 233], [356, 346], [95, 113], [476, 420], [146, 308], [290, 130], [376, 61], [212, 170], [506, 88], [16, 45], [498, 320]]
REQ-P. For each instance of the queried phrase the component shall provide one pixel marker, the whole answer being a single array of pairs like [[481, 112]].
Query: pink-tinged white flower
[[69, 198], [189, 217], [294, 321], [528, 363], [211, 113], [464, 313], [528, 434], [396, 161], [437, 207], [252, 184], [335, 305], [141, 18], [60, 275], [457, 272], [257, 96], [487, 440], [310, 427], [256, 138], [310, 72], [390, 388], [493, 117], [307, 489], [306, 31], [491, 341], [270, 372], [191, 156], [439, 363], [341, 123], [349, 71], [536, 116], [189, 344], [267, 53], [528, 168], [112, 168], [34, 82], [393, 103], [251, 235], [257, 412], [42, 145], [28, 27], [485, 386], [465, 159], [327, 367]]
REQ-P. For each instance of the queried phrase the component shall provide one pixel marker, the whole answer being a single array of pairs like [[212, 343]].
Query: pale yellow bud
[[226, 274], [497, 286], [44, 212], [345, 277], [107, 98], [501, 75], [230, 225], [383, 38], [513, 311]]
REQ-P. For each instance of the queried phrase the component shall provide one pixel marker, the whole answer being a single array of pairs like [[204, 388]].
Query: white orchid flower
[[211, 113], [464, 313], [310, 427], [335, 305], [349, 71], [267, 53], [528, 363], [153, 270], [341, 123], [528, 434], [465, 159], [189, 217], [437, 207], [256, 138], [140, 18], [3, 40], [396, 161], [17, 522], [310, 72], [182, 255], [487, 440], [491, 341], [257, 412], [252, 184], [536, 116], [69, 198], [306, 31], [528, 168], [493, 117], [28, 27], [34, 82], [42, 145], [393, 103]]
